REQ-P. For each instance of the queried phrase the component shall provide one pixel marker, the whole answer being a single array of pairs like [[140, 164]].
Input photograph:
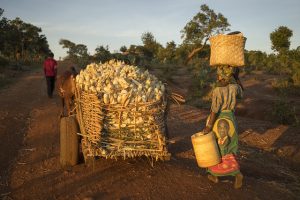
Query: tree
[[123, 49], [21, 41], [67, 44], [280, 39], [78, 53], [4, 31], [167, 54], [203, 25], [150, 45], [102, 54], [74, 50], [255, 59]]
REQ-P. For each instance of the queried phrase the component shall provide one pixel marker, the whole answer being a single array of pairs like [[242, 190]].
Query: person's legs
[[213, 178], [52, 85], [48, 80], [238, 180]]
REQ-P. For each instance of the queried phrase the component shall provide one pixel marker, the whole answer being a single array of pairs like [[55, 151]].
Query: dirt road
[[29, 159]]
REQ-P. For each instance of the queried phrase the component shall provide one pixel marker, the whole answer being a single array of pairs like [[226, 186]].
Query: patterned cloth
[[225, 73], [228, 145], [228, 148], [228, 166]]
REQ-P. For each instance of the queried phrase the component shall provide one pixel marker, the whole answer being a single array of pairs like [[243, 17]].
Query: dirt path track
[[30, 159]]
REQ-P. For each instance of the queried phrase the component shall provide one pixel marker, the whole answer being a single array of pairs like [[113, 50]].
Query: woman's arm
[[211, 122]]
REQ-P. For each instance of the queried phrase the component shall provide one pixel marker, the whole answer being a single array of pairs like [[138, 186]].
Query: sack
[[227, 50]]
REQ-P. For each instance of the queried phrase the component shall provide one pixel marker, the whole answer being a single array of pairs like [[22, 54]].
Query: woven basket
[[102, 136], [227, 50]]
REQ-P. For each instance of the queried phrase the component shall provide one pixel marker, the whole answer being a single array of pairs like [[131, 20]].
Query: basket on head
[[227, 50]]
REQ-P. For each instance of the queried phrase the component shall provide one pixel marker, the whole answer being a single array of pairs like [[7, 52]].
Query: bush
[[205, 75], [284, 113], [164, 72], [282, 85], [202, 82], [3, 61], [296, 77]]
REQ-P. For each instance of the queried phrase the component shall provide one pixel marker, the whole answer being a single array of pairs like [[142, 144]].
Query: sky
[[121, 22]]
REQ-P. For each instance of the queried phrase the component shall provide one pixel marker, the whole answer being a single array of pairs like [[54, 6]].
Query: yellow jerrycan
[[206, 149]]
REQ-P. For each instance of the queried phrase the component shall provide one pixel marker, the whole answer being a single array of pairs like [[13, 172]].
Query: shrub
[[202, 83], [284, 113], [282, 85], [296, 77], [3, 61]]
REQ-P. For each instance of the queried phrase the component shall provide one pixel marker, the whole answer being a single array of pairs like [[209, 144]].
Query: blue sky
[[122, 22]]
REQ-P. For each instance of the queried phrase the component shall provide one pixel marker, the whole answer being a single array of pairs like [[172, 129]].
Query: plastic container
[[206, 149]]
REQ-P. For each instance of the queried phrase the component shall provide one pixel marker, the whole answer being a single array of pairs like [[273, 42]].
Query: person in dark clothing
[[50, 71]]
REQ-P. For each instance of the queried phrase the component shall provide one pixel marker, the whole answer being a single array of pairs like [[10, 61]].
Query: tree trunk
[[191, 54]]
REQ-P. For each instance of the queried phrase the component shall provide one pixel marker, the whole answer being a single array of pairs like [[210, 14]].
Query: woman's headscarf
[[225, 74]]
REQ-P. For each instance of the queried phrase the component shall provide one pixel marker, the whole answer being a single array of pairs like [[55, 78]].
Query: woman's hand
[[207, 129]]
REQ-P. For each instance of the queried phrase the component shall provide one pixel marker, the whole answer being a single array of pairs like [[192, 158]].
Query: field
[[29, 160]]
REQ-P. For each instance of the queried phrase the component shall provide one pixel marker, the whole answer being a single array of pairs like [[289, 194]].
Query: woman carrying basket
[[227, 51], [222, 121]]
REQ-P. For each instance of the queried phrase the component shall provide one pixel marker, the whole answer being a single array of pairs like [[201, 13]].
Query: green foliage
[[202, 82], [255, 60], [102, 54], [164, 72], [284, 113], [203, 25], [280, 39], [77, 53], [286, 63], [181, 52], [3, 62], [282, 85], [202, 73], [296, 76], [123, 49], [167, 55], [22, 41], [140, 56], [151, 47]]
